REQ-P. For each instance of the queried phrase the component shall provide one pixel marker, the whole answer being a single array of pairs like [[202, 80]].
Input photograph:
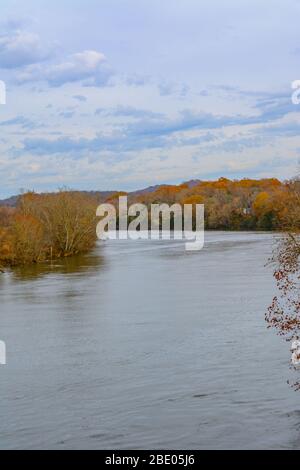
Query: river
[[142, 345]]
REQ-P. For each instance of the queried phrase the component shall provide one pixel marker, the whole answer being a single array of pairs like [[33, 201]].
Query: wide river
[[142, 345]]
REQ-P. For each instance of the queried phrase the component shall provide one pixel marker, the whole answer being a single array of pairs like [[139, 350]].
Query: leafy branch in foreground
[[284, 312]]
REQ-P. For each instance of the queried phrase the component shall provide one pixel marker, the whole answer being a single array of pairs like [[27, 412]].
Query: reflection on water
[[80, 264], [143, 345]]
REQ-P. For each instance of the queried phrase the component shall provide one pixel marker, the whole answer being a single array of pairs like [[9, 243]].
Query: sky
[[123, 94]]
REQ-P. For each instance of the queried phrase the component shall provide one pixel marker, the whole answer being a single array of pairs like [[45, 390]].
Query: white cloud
[[89, 66], [21, 48]]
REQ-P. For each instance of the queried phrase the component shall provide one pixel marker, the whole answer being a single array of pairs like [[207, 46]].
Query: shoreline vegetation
[[46, 227], [43, 227]]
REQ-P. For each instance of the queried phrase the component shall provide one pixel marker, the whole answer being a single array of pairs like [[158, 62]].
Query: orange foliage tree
[[48, 226]]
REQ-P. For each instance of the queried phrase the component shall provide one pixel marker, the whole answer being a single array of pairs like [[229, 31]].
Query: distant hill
[[150, 189], [10, 202], [100, 195], [192, 183], [103, 195]]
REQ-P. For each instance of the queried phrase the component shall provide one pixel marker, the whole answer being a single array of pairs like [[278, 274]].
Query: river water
[[142, 345]]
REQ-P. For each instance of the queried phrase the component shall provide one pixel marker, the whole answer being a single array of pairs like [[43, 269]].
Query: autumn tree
[[68, 220], [284, 312], [48, 226]]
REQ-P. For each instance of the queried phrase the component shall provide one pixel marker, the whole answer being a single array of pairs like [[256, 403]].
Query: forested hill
[[102, 195], [245, 204]]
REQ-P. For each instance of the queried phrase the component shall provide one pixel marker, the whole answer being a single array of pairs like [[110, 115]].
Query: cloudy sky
[[122, 94]]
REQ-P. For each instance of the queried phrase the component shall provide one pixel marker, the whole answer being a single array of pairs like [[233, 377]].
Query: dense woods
[[48, 226], [231, 205]]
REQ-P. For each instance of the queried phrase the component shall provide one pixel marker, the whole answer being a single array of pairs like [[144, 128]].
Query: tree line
[[49, 226], [247, 204]]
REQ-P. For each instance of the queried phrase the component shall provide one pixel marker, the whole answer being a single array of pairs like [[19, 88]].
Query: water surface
[[143, 345]]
